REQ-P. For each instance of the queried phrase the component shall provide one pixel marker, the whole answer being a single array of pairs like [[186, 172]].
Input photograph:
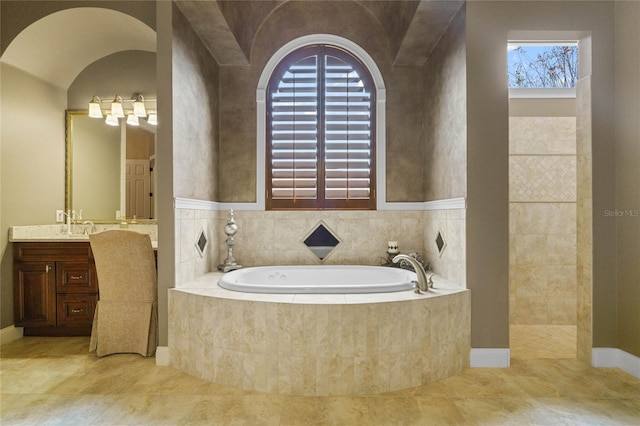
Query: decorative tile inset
[[542, 178], [201, 243], [440, 243], [321, 241]]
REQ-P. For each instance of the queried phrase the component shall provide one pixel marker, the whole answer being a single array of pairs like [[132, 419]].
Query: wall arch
[[82, 36]]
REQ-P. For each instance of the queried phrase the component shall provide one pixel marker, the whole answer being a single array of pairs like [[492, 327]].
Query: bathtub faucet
[[423, 281]]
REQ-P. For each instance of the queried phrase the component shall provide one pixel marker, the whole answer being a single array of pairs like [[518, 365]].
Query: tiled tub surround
[[318, 344], [449, 263], [190, 262], [276, 238]]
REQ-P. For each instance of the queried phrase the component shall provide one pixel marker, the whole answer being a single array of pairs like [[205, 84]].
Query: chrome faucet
[[93, 227], [70, 220], [423, 281]]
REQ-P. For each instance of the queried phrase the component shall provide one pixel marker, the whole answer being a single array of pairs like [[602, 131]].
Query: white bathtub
[[334, 279]]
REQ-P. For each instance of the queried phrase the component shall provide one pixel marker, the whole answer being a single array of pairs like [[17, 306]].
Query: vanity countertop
[[57, 233]]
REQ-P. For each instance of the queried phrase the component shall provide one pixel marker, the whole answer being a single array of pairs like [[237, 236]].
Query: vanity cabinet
[[55, 288]]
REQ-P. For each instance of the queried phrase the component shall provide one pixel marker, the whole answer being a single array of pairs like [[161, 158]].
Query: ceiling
[[82, 36], [229, 27]]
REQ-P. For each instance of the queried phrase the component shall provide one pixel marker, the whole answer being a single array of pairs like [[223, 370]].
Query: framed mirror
[[109, 170]]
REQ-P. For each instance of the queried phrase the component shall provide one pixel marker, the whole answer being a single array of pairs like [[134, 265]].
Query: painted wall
[[445, 115], [627, 134], [164, 140], [19, 14], [32, 182], [124, 73], [195, 115]]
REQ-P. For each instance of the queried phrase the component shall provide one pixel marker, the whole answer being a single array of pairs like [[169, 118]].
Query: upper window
[[320, 132], [542, 65]]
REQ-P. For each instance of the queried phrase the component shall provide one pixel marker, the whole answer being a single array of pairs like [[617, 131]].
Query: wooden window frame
[[321, 203]]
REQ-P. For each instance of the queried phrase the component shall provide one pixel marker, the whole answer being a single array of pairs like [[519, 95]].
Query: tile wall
[[189, 224], [584, 217], [276, 238], [543, 218], [451, 261], [320, 349]]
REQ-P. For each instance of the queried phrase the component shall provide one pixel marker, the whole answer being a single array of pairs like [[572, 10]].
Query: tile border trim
[[444, 204], [490, 357], [616, 358]]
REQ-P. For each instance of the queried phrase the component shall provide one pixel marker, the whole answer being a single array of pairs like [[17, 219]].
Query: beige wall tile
[[542, 178], [398, 344], [543, 250]]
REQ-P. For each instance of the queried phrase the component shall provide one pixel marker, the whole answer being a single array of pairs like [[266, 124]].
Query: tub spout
[[423, 281]]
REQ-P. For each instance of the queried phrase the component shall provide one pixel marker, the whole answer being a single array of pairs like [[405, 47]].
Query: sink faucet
[[93, 226], [71, 219], [423, 281]]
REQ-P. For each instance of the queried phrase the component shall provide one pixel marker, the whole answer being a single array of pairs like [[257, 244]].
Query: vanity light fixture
[[94, 107], [134, 108], [116, 107], [132, 120], [111, 120], [138, 107]]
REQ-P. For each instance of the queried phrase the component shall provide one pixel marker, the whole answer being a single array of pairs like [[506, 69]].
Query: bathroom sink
[[70, 237]]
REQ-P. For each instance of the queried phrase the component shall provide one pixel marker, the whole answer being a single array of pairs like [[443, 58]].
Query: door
[[34, 294], [138, 189]]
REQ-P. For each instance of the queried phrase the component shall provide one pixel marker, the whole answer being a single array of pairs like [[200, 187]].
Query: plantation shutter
[[320, 132], [347, 136], [294, 132]]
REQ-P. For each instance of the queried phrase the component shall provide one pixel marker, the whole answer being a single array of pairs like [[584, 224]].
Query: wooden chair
[[126, 316]]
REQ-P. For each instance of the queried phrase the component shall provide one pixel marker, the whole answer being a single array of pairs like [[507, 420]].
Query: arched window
[[320, 131]]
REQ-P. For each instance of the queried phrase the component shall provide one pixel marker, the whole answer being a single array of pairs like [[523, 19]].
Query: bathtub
[[318, 344], [335, 279]]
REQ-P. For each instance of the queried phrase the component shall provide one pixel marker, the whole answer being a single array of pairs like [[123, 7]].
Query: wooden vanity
[[55, 288], [55, 284]]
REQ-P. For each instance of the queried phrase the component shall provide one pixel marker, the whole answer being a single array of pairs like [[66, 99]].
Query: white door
[[138, 189]]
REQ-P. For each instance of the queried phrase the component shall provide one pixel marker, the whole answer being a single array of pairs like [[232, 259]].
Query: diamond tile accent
[[542, 178], [201, 244], [321, 241], [440, 243]]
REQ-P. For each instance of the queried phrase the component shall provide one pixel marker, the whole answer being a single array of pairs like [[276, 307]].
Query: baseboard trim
[[616, 358], [490, 358], [162, 356], [11, 333]]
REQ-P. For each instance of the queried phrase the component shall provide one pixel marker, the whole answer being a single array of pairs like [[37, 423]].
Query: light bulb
[[133, 120], [111, 120]]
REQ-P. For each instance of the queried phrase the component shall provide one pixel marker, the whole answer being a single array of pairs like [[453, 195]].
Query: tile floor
[[56, 381]]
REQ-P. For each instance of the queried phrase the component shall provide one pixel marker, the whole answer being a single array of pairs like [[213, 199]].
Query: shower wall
[[542, 225]]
